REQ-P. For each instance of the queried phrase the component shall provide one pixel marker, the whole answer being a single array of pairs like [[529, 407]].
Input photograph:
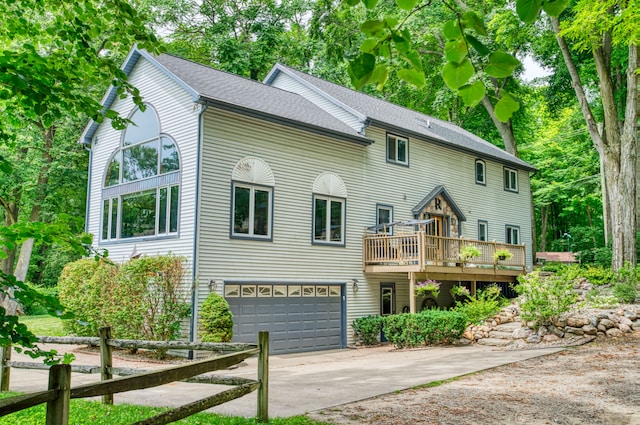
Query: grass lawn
[[95, 413], [43, 325]]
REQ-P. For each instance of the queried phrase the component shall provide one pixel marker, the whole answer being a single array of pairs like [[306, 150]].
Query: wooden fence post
[[106, 361], [60, 380], [263, 377], [5, 370]]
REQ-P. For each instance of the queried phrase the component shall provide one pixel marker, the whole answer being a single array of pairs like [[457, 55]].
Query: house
[[304, 203]]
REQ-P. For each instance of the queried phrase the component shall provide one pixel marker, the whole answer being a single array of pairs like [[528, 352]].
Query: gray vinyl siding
[[178, 119], [285, 82], [431, 165], [296, 159]]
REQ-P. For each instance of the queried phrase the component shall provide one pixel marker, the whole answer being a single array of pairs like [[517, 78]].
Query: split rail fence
[[60, 391]]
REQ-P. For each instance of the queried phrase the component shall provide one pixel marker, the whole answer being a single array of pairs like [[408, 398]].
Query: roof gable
[[405, 121], [279, 70], [234, 93], [110, 96], [439, 190]]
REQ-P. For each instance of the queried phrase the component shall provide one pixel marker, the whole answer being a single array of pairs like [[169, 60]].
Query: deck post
[[412, 292], [5, 369], [421, 250], [263, 377], [473, 288], [106, 361]]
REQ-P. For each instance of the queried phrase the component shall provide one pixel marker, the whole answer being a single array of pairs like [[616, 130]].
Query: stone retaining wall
[[506, 328]]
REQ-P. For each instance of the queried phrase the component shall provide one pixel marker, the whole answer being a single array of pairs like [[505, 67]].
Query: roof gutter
[[441, 142], [360, 140]]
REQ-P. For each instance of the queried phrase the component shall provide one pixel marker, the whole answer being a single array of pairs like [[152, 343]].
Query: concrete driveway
[[300, 383]]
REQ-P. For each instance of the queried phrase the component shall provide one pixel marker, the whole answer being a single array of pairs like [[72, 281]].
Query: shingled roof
[[232, 92], [403, 120]]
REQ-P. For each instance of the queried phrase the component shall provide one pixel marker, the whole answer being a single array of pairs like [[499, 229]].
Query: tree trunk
[[26, 249], [617, 147], [504, 128], [544, 219]]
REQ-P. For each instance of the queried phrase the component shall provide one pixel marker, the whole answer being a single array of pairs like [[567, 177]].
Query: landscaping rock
[[534, 339], [572, 330], [613, 332], [607, 323], [624, 328], [589, 329], [577, 321], [550, 338]]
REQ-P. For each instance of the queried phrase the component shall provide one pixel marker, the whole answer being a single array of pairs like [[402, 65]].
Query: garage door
[[298, 317]]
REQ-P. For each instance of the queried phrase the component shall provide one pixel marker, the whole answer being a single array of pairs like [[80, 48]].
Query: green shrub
[[216, 320], [142, 299], [542, 300], [424, 328], [82, 289], [35, 308], [146, 301], [598, 275], [367, 329], [553, 267], [625, 287], [487, 303]]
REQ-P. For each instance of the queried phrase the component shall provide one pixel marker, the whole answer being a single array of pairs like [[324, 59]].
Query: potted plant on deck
[[428, 287], [468, 252], [502, 254]]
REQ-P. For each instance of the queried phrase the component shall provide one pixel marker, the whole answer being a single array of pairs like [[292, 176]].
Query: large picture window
[[141, 187]]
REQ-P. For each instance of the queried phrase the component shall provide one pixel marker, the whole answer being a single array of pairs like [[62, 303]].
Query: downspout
[[87, 204], [196, 219]]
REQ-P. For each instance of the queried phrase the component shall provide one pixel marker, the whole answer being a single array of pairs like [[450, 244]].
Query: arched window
[[141, 186], [329, 209], [252, 199]]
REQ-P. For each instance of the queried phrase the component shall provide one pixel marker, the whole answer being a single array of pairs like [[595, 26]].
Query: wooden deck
[[439, 257]]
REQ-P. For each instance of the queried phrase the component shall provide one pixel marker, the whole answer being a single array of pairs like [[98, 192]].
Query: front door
[[387, 302], [438, 230]]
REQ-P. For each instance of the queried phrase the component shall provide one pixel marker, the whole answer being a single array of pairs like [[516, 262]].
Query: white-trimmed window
[[510, 179], [329, 210], [483, 230], [252, 200], [481, 177], [512, 234], [397, 149], [328, 220], [141, 192], [384, 216]]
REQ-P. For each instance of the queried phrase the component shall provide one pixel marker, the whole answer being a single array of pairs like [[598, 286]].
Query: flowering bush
[[460, 291], [543, 300], [485, 304], [428, 287]]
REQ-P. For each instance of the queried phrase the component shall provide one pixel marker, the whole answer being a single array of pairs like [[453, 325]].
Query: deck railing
[[419, 250]]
